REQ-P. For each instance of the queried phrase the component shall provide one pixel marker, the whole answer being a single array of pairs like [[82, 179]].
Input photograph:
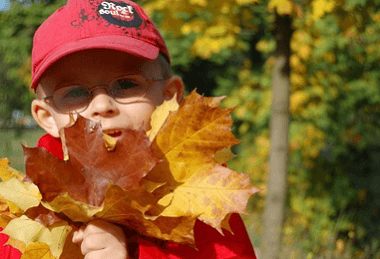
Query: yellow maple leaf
[[7, 172], [3, 204], [6, 213], [29, 231], [75, 210], [211, 193], [37, 250], [160, 115], [129, 207], [190, 138], [24, 195]]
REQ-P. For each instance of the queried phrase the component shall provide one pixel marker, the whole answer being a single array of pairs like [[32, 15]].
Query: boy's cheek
[[63, 120]]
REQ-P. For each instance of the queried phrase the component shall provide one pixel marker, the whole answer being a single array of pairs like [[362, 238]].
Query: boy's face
[[93, 68]]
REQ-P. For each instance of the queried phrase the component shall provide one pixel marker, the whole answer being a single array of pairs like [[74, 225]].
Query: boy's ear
[[174, 86], [44, 118]]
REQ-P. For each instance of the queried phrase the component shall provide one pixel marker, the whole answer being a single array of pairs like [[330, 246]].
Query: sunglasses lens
[[128, 89], [72, 98]]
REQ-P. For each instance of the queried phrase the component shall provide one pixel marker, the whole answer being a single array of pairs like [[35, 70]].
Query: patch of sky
[[4, 5]]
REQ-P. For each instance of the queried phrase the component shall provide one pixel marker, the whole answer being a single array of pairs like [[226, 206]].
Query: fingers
[[102, 227], [101, 239], [98, 241], [105, 254], [78, 236]]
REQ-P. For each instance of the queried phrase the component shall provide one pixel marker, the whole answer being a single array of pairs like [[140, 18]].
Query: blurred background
[[230, 47]]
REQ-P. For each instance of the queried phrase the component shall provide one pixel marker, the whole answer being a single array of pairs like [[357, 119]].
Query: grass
[[10, 145]]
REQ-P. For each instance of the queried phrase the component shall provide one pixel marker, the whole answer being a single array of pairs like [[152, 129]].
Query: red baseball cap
[[95, 24]]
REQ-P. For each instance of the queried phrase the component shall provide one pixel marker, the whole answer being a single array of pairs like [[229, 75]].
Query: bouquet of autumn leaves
[[157, 182]]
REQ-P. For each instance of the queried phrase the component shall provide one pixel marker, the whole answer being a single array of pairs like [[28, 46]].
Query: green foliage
[[17, 28], [333, 132]]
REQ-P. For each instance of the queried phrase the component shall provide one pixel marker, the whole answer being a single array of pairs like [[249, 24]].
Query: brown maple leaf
[[91, 167]]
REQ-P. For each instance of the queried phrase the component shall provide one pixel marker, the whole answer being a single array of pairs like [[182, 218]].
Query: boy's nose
[[103, 105]]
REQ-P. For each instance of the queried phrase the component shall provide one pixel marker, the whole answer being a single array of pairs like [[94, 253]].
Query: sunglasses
[[124, 90]]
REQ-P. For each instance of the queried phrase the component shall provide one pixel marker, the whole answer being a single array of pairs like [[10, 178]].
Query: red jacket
[[210, 243]]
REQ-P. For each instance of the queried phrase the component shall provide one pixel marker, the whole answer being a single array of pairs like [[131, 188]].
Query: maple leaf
[[43, 215], [129, 208], [6, 217], [7, 172], [29, 231], [37, 250], [212, 193], [71, 250], [160, 115], [23, 195], [122, 182], [91, 166], [190, 137]]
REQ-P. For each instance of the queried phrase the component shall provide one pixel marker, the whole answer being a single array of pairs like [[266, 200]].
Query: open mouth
[[113, 133]]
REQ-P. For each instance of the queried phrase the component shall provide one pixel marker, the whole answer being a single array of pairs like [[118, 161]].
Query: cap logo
[[120, 14]]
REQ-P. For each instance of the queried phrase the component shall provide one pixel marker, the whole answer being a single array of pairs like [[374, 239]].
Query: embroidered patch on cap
[[121, 14]]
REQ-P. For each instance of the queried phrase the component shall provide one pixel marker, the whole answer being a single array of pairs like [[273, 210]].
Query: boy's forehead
[[95, 65]]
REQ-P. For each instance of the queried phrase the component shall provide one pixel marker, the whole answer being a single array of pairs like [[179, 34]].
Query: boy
[[107, 61]]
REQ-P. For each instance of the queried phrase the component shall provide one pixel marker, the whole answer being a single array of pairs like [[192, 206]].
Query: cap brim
[[114, 42]]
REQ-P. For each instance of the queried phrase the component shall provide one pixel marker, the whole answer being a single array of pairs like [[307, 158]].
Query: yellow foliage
[[376, 17], [297, 65], [295, 61], [263, 144], [320, 74], [318, 42], [206, 45], [283, 7], [321, 7], [310, 141], [225, 8], [360, 58], [313, 143], [329, 56], [270, 63], [304, 51], [244, 127], [202, 3], [301, 36], [263, 46], [297, 100], [319, 90], [216, 30], [216, 35], [245, 2], [297, 81]]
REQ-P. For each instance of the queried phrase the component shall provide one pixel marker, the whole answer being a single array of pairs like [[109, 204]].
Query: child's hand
[[101, 240]]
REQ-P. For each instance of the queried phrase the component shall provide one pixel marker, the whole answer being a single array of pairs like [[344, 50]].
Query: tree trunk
[[274, 213]]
